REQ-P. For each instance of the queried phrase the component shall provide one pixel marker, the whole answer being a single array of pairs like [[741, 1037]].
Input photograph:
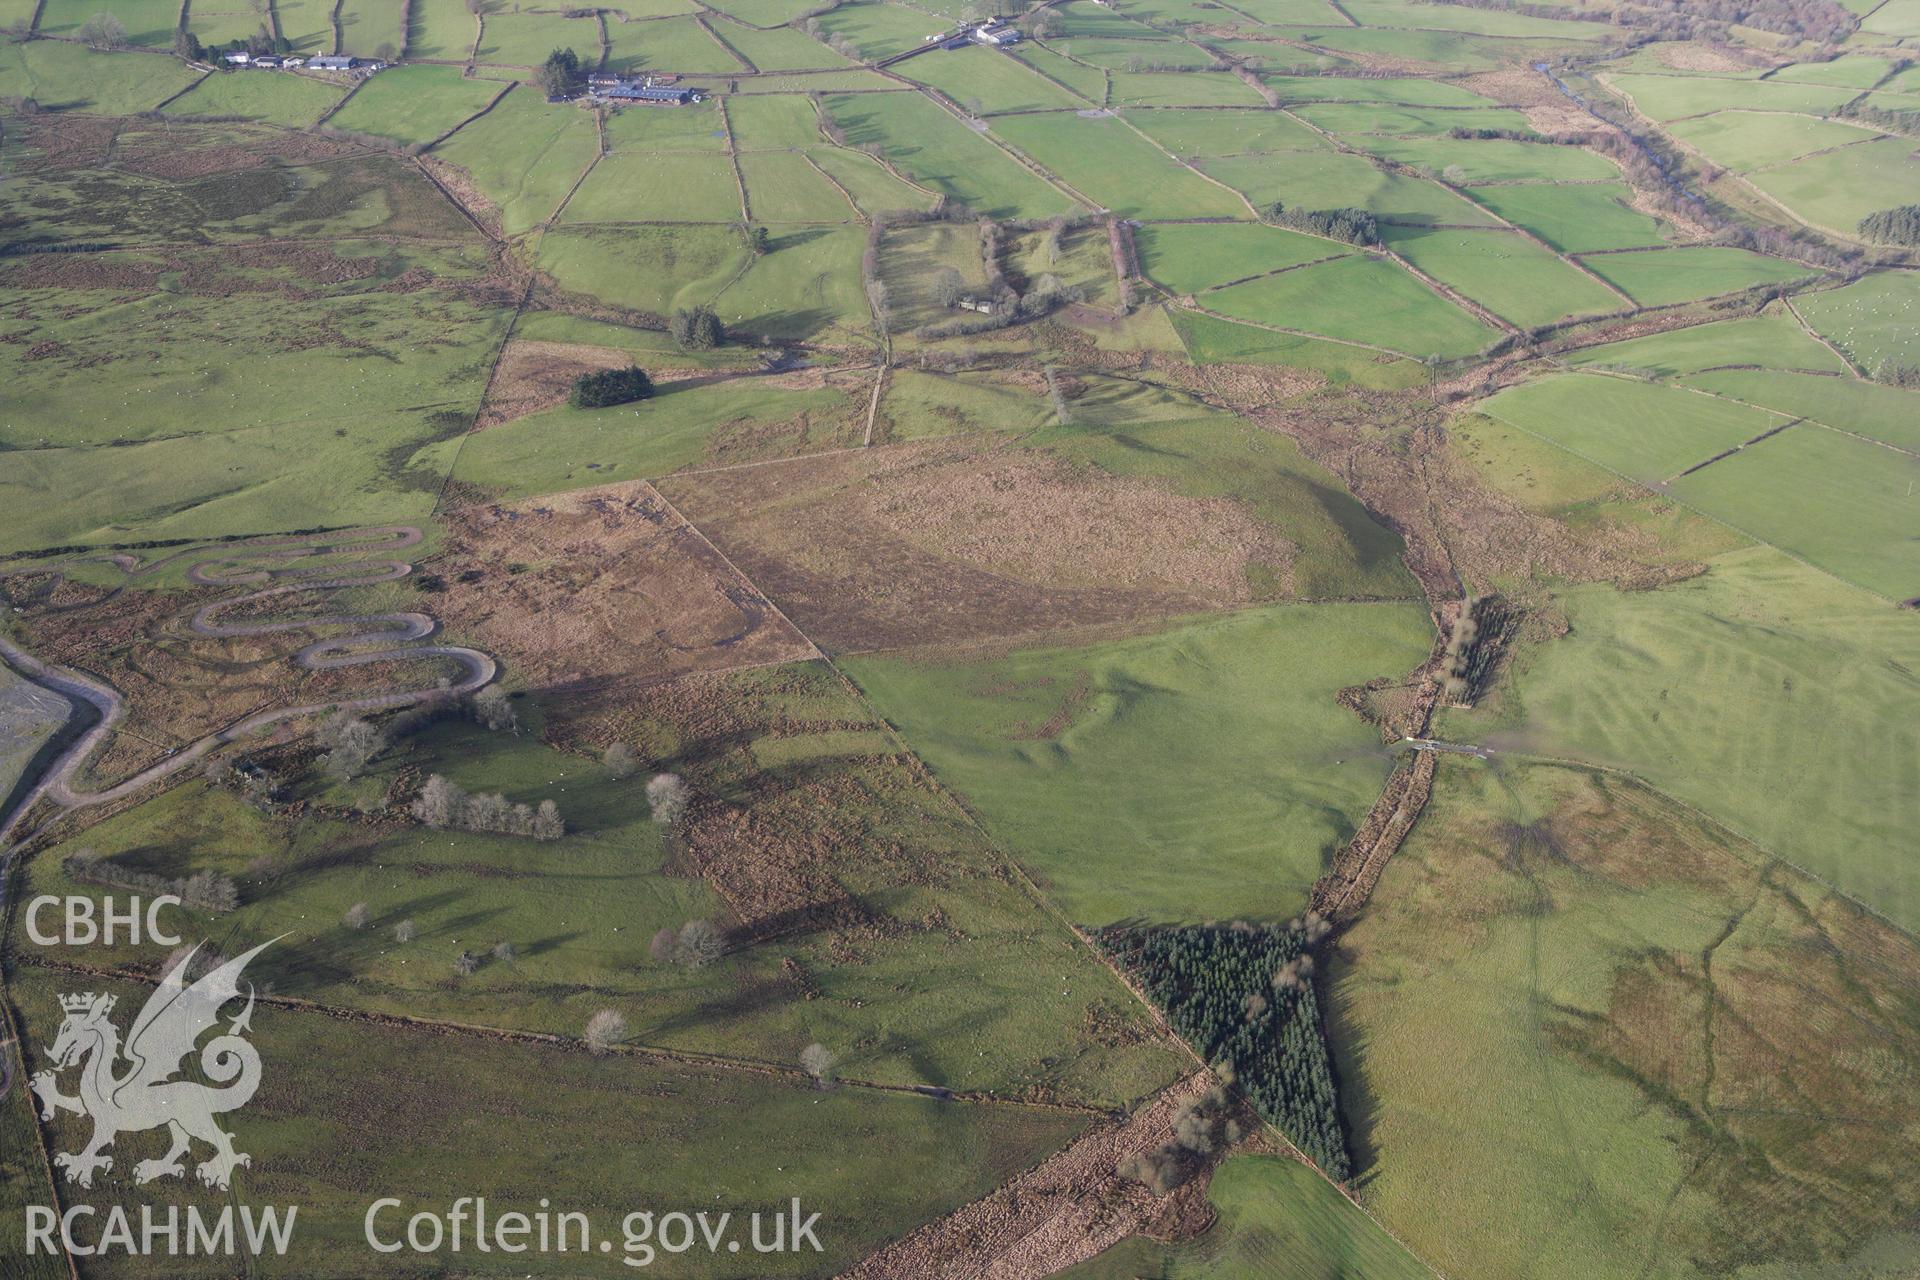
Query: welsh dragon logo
[[126, 1088]]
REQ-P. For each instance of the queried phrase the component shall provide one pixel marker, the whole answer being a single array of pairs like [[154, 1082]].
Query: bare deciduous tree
[[699, 943], [817, 1061], [466, 963], [406, 931], [604, 1030], [492, 708], [620, 761], [667, 796], [505, 953], [358, 915], [547, 823], [440, 803]]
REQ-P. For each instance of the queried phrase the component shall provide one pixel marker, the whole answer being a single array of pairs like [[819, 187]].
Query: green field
[[984, 81], [1277, 1218], [516, 39], [1747, 140], [1574, 219], [438, 29], [1647, 432], [1556, 1085], [1835, 189], [1088, 82], [289, 100], [1210, 340], [1843, 504], [1325, 180], [785, 187], [666, 44], [1407, 92], [371, 29], [322, 1140], [1196, 134], [1181, 89], [415, 104], [780, 49], [938, 151], [1769, 341], [690, 128], [524, 155], [1358, 299], [1118, 168], [1048, 745], [148, 22], [1869, 319], [1851, 404], [70, 77], [1492, 160], [1189, 258], [1373, 117], [1671, 97], [1509, 275], [879, 29], [807, 286], [1663, 684], [649, 268], [773, 122], [1660, 277], [664, 187]]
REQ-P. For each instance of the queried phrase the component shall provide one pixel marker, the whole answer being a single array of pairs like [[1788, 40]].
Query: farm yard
[[1164, 638]]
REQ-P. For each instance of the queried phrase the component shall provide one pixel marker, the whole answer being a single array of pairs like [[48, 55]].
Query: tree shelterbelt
[[1243, 995]]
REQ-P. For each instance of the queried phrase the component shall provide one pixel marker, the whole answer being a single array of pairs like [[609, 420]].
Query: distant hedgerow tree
[[817, 1061], [187, 45], [619, 761], [667, 796], [357, 915], [610, 387], [560, 74], [604, 1030], [103, 31]]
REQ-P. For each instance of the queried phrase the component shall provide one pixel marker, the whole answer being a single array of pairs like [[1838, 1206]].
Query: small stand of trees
[[442, 804], [203, 890], [1238, 994], [1899, 225], [1353, 226], [696, 944], [696, 329], [606, 387], [561, 76], [1202, 1127]]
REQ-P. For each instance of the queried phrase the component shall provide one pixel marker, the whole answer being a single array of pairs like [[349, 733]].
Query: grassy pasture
[[1673, 97], [1657, 277], [1511, 276], [870, 184], [919, 405], [629, 186], [414, 103], [1181, 89], [783, 187], [1276, 1217], [568, 448], [1574, 219], [148, 22], [666, 44], [1769, 341], [1664, 683], [1747, 140], [1840, 503], [641, 9], [911, 257], [71, 77], [372, 28], [272, 98], [1201, 133], [1209, 340], [307, 24], [1852, 404], [773, 122], [1523, 1017], [985, 81], [1112, 164], [1853, 70], [696, 127], [1328, 180], [1638, 429], [1188, 258], [940, 152], [1088, 82], [1835, 189], [1485, 22], [1360, 299], [516, 39], [1402, 91], [330, 1144], [524, 155], [649, 268], [809, 283], [764, 13], [1493, 159], [439, 29], [581, 911], [1894, 18], [1111, 841], [1136, 50], [1372, 117], [1871, 320], [780, 49], [879, 29]]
